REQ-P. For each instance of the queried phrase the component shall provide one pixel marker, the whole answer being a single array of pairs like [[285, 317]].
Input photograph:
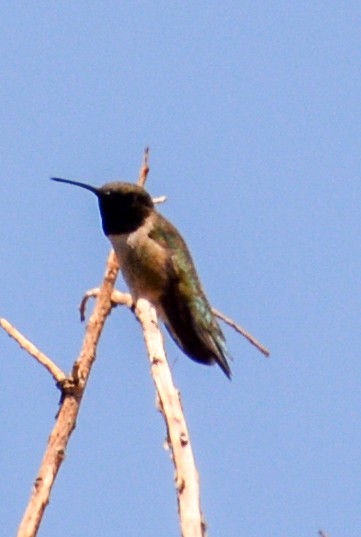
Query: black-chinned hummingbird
[[156, 265]]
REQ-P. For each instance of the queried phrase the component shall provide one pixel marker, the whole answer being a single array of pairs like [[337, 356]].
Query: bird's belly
[[143, 265]]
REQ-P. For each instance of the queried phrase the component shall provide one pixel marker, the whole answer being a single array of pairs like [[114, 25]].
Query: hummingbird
[[157, 265]]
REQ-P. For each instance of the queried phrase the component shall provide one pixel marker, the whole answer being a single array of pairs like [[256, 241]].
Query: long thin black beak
[[76, 183]]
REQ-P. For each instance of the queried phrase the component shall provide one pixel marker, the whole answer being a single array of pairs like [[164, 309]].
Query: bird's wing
[[188, 314]]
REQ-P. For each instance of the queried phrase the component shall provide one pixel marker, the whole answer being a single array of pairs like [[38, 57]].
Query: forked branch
[[72, 388]]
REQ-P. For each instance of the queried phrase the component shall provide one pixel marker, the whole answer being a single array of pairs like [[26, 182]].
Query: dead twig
[[241, 331], [159, 199], [143, 174], [144, 170], [39, 356]]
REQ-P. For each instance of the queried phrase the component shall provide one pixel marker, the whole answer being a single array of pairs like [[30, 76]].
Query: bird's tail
[[199, 337]]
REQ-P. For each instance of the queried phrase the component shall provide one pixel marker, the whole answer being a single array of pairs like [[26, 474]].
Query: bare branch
[[72, 390], [144, 170], [39, 356], [186, 479], [143, 174], [241, 331]]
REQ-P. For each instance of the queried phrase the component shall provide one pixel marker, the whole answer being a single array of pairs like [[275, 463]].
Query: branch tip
[[57, 374], [159, 199], [144, 170], [241, 331]]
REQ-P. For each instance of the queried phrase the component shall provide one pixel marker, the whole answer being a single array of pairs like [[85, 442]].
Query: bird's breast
[[143, 263]]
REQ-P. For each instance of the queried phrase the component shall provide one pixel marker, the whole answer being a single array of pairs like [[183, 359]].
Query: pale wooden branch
[[144, 169], [186, 478], [241, 331], [72, 392], [39, 356]]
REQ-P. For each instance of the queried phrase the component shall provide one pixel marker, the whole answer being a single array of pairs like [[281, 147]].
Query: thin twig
[[66, 418], [241, 331], [117, 299], [39, 356], [143, 174], [144, 170], [159, 199]]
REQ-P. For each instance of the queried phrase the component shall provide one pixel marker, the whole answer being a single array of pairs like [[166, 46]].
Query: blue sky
[[252, 113]]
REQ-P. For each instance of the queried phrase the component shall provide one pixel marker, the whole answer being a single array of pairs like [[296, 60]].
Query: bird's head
[[123, 206]]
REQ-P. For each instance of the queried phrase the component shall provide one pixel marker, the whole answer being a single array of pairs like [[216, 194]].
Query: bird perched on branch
[[156, 265]]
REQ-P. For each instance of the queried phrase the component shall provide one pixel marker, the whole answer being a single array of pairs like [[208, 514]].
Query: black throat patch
[[123, 212]]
